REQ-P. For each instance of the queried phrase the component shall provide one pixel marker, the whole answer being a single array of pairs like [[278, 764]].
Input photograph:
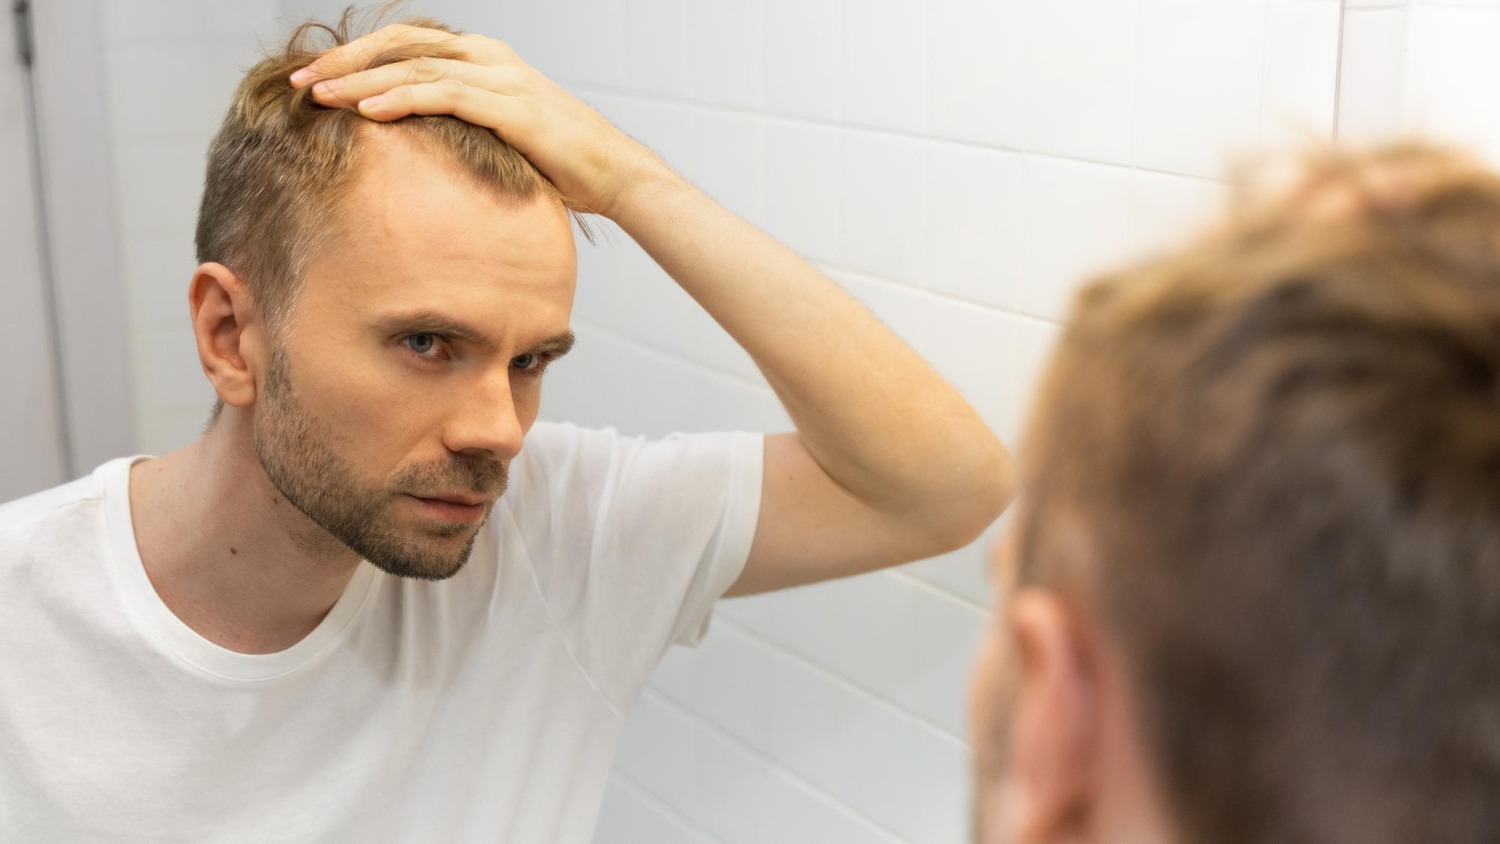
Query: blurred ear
[[230, 337], [1055, 733]]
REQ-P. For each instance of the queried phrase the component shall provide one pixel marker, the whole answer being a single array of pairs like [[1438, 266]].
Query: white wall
[[958, 164], [1422, 67], [171, 66]]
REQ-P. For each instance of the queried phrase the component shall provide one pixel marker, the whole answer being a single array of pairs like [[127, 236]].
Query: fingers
[[468, 103], [358, 53], [350, 90]]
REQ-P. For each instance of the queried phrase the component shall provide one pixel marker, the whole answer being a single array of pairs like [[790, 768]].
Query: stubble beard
[[296, 450]]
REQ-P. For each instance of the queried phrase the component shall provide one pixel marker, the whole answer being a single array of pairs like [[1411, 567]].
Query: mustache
[[479, 475]]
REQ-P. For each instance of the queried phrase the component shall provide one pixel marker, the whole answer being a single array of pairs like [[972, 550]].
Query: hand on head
[[482, 81]]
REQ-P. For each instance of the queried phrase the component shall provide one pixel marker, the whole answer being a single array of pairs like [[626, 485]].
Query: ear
[[230, 336], [1054, 731]]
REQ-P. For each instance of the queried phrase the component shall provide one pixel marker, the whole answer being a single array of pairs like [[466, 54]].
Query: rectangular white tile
[[1372, 74], [1198, 93], [859, 628], [943, 787], [1301, 72], [727, 160], [1077, 223], [748, 801], [658, 752], [803, 201], [993, 358], [884, 205], [975, 217], [736, 679], [851, 745], [948, 636], [628, 816], [1082, 63], [659, 46], [1167, 210], [804, 50], [980, 74], [726, 52], [590, 49], [1453, 60], [884, 83]]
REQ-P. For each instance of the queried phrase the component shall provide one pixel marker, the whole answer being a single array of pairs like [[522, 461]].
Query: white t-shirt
[[481, 708]]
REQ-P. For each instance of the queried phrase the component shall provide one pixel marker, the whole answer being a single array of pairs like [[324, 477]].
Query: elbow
[[980, 495]]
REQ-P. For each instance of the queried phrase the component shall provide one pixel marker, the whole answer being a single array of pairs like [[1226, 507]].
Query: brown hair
[[281, 164], [1271, 461]]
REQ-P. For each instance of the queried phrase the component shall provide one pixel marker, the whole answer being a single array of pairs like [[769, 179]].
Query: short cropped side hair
[[282, 164], [1271, 463]]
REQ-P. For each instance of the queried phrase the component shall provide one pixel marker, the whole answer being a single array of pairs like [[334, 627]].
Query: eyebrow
[[431, 322]]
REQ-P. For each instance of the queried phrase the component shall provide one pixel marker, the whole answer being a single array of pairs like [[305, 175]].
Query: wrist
[[642, 185]]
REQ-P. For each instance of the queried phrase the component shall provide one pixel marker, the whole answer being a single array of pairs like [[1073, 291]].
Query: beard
[[296, 450]]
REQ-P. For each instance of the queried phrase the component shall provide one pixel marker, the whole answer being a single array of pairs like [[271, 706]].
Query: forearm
[[874, 415]]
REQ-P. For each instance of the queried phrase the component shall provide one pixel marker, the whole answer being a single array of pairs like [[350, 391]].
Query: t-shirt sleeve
[[632, 541]]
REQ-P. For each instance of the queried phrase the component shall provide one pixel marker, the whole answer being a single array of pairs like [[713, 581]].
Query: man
[[1252, 588], [321, 621]]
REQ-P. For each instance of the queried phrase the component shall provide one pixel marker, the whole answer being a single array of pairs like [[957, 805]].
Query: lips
[[455, 498]]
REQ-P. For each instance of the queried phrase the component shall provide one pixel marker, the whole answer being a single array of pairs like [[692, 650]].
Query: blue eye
[[421, 343], [526, 362]]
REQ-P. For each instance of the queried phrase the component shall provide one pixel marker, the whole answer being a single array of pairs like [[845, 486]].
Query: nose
[[486, 421]]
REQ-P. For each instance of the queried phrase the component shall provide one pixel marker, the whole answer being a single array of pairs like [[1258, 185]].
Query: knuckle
[[426, 69]]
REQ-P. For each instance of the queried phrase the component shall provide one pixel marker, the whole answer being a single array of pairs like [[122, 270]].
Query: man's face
[[401, 386]]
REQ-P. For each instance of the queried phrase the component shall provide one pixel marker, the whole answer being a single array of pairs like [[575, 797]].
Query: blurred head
[[375, 306], [1251, 591]]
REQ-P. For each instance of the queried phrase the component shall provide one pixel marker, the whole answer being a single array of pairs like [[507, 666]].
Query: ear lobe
[[1055, 729], [226, 330]]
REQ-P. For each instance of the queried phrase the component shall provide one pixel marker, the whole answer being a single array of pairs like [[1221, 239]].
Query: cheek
[[362, 405]]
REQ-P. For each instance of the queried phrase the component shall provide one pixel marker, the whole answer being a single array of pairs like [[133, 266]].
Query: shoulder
[[54, 503]]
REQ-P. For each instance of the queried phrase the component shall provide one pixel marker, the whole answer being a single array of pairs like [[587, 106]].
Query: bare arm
[[888, 463]]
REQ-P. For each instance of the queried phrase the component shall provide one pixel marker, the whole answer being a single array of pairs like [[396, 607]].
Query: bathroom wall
[[959, 165], [1422, 67], [170, 68]]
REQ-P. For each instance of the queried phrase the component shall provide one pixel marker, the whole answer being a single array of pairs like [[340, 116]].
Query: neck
[[225, 550]]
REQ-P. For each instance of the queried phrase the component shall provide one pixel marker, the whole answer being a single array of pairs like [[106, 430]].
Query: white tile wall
[[1422, 68], [171, 67], [959, 165]]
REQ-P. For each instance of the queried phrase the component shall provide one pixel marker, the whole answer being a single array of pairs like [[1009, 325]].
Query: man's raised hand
[[593, 163]]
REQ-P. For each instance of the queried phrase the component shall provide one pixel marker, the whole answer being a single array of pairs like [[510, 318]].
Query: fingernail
[[371, 103], [328, 87], [302, 75]]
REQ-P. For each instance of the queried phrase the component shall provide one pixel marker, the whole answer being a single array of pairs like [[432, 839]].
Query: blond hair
[[282, 164], [1280, 448]]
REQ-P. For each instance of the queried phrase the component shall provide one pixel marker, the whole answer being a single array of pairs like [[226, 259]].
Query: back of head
[[1281, 451], [282, 165]]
